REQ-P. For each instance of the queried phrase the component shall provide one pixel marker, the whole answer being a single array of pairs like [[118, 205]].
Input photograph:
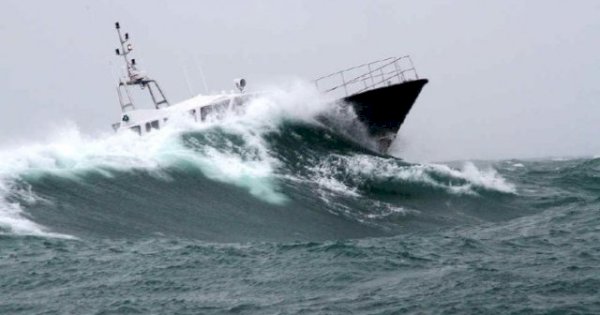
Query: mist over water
[[269, 210]]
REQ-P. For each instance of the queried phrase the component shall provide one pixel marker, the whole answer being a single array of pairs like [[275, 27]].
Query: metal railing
[[368, 76]]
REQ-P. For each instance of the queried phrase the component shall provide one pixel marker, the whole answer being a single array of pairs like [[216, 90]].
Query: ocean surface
[[270, 212]]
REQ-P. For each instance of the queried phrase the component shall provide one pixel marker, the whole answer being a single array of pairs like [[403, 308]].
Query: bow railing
[[368, 76]]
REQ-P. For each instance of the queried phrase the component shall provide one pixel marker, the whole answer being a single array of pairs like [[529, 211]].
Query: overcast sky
[[508, 79]]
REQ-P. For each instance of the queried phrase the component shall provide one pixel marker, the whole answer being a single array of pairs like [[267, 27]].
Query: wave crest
[[370, 173]]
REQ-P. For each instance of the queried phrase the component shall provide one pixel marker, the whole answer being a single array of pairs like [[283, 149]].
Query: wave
[[377, 174], [247, 176]]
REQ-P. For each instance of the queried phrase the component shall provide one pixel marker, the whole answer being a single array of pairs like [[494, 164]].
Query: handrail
[[388, 71]]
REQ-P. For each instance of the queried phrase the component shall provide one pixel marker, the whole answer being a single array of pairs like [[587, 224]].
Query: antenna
[[134, 76], [201, 74], [125, 51], [187, 81]]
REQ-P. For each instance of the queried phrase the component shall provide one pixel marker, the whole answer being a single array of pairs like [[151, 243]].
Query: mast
[[124, 52], [135, 77]]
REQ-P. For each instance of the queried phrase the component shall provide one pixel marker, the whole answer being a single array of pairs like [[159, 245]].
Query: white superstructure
[[143, 121]]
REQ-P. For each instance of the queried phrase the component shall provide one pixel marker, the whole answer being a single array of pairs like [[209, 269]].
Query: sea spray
[[70, 154], [276, 150]]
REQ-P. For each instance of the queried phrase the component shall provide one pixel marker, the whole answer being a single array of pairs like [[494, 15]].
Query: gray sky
[[507, 78]]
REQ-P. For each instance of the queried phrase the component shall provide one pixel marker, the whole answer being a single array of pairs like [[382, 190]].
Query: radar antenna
[[135, 77]]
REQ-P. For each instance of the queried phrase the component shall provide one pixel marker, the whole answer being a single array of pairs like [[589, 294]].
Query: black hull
[[383, 110]]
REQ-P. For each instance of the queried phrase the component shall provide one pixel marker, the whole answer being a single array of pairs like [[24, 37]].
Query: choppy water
[[271, 213]]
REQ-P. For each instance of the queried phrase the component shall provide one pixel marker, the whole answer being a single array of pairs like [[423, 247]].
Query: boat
[[145, 120], [381, 94]]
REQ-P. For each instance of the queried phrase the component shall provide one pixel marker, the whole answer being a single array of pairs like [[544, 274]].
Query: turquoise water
[[290, 218]]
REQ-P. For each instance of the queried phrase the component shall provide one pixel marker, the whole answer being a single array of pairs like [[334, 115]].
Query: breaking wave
[[248, 176]]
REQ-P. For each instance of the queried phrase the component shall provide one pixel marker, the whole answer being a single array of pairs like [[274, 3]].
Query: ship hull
[[383, 110]]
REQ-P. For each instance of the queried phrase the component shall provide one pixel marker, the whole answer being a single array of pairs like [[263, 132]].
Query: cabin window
[[155, 125], [136, 129], [193, 112], [222, 106], [148, 127], [241, 100], [205, 111], [237, 101]]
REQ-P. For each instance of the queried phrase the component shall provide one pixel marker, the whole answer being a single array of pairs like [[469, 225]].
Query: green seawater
[[294, 220]]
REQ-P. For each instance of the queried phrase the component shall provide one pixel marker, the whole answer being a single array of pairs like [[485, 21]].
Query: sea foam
[[70, 154], [355, 169]]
